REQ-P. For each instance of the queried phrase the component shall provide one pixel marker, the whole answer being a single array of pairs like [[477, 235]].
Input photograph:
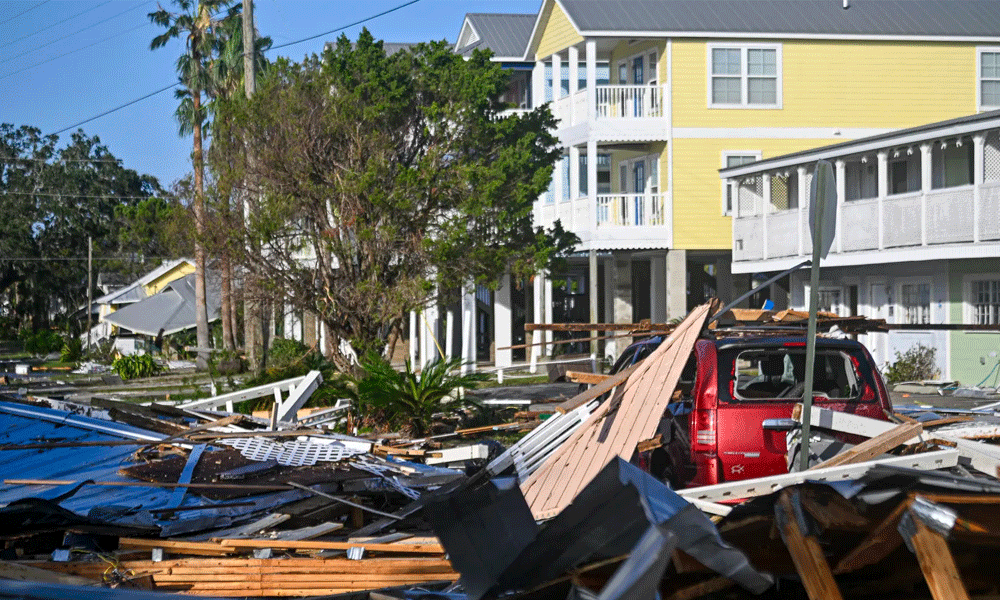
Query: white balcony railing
[[631, 210], [629, 101], [915, 219]]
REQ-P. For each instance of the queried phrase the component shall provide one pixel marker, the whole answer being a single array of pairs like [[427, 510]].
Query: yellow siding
[[698, 220], [174, 274], [557, 32], [840, 84], [625, 51]]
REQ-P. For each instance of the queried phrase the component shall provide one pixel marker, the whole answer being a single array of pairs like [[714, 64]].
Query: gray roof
[[171, 309], [507, 35], [135, 291], [964, 18]]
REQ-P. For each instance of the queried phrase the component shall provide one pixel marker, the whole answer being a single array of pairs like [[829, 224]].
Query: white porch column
[[547, 300], [430, 326], [658, 288], [502, 323], [557, 86], [841, 180], [558, 179], [538, 84], [609, 303], [676, 284], [591, 49], [469, 327], [592, 184], [574, 81], [449, 335], [883, 191], [926, 169], [622, 289], [414, 337], [978, 176], [574, 185], [766, 208], [537, 294], [803, 193]]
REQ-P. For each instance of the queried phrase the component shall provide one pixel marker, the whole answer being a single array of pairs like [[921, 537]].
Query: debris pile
[[198, 500]]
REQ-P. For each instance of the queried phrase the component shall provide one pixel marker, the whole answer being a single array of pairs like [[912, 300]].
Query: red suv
[[737, 395]]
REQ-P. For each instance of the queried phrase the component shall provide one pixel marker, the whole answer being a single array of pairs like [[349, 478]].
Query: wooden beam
[[583, 377], [937, 563], [321, 545], [875, 446], [808, 557], [598, 390]]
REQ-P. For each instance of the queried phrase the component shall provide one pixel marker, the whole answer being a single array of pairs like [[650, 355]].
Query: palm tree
[[195, 22]]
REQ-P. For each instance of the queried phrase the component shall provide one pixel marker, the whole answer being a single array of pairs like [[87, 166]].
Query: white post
[[841, 198], [574, 81], [883, 192], [449, 326], [413, 337], [557, 87], [591, 49], [592, 183], [766, 208], [803, 193], [469, 327], [574, 184], [536, 337], [978, 176], [926, 166], [538, 84], [558, 177], [548, 315], [502, 322]]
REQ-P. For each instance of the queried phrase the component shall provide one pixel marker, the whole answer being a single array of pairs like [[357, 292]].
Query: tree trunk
[[227, 300], [201, 305]]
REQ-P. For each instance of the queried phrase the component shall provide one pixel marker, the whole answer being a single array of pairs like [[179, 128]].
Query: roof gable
[[505, 34]]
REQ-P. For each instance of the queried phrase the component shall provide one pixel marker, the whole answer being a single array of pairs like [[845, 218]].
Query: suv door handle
[[780, 424]]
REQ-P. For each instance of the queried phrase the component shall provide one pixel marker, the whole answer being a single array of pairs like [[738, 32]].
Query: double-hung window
[[915, 301], [985, 301], [744, 76], [989, 78]]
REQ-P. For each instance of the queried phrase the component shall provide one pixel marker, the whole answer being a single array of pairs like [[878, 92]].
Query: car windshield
[[634, 354], [780, 373]]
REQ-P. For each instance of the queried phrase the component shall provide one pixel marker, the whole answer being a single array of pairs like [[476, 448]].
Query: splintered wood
[[270, 577], [618, 425]]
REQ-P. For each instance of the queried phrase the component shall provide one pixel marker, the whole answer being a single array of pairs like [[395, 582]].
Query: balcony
[[612, 221], [621, 113]]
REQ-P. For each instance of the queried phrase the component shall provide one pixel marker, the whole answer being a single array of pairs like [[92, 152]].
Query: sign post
[[822, 227]]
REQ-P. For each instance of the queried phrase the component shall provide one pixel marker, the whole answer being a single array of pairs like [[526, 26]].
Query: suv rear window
[[779, 373]]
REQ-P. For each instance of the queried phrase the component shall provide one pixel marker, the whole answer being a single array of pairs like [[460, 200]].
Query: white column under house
[[502, 323], [469, 327]]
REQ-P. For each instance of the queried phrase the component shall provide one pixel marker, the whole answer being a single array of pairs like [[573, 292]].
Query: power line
[[60, 160], [24, 37], [72, 258], [151, 94], [69, 195], [24, 12], [110, 37], [60, 39]]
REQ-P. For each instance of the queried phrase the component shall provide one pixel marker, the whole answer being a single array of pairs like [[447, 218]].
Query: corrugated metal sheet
[[505, 34], [976, 18]]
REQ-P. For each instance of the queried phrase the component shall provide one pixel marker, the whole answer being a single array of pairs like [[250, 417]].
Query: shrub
[[406, 399], [72, 350], [915, 364], [43, 341], [135, 366]]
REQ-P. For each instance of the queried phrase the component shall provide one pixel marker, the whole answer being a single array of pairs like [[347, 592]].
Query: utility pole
[[253, 322], [90, 286]]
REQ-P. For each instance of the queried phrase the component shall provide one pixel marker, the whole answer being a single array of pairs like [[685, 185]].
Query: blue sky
[[63, 61]]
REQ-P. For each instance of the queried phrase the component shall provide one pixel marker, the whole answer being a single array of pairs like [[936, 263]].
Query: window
[[734, 159], [989, 78], [744, 76], [986, 302], [915, 301], [831, 300], [779, 373], [603, 174]]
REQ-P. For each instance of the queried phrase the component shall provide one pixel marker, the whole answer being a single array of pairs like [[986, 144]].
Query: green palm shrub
[[135, 366]]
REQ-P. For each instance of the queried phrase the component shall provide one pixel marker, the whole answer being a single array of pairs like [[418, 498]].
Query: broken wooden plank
[[936, 562], [19, 572], [583, 377], [597, 391], [875, 446], [177, 546], [811, 564], [322, 545]]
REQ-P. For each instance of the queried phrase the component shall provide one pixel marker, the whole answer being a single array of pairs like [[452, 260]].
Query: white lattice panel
[[748, 238], [949, 216], [902, 221], [859, 225], [782, 234], [991, 157], [779, 193], [751, 193], [294, 453]]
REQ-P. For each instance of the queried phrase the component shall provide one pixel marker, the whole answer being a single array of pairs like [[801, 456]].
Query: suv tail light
[[705, 436]]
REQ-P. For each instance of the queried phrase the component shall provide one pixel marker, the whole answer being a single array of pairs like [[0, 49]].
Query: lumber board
[[20, 572], [878, 544], [178, 546], [320, 545], [810, 563], [878, 445], [584, 377], [598, 390], [937, 563]]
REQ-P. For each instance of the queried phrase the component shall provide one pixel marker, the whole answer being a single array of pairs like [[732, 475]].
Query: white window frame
[[980, 107], [968, 301], [744, 77], [840, 289], [757, 154], [901, 308]]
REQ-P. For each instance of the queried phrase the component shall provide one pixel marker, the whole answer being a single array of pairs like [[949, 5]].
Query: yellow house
[[141, 288], [654, 97]]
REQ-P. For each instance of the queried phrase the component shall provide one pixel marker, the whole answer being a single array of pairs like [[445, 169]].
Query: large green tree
[[383, 178], [53, 199]]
